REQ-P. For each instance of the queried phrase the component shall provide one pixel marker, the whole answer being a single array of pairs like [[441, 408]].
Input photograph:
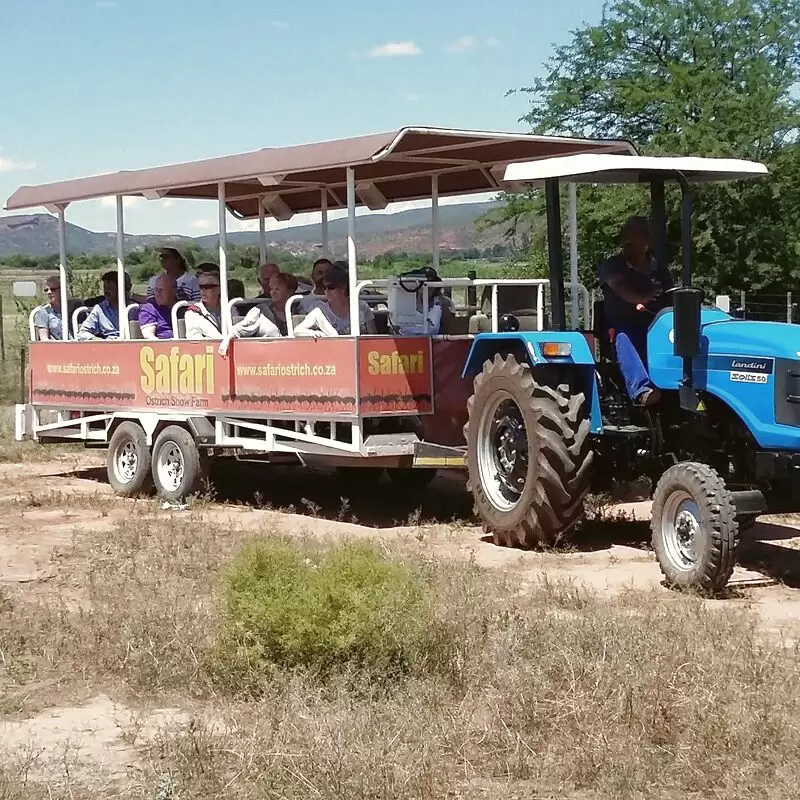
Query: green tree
[[694, 77]]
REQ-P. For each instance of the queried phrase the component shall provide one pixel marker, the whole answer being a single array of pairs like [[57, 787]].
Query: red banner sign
[[395, 375], [314, 377]]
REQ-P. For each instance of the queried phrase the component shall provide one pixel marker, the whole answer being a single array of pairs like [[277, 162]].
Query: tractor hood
[[751, 338]]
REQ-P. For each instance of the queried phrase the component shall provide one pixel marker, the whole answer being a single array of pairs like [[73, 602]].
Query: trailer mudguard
[[581, 358], [753, 367]]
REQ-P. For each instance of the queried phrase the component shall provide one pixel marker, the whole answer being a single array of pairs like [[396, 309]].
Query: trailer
[[164, 409]]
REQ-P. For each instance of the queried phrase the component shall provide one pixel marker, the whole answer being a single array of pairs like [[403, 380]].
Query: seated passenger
[[47, 319], [204, 319], [281, 287], [103, 319], [333, 318], [320, 268], [265, 273], [155, 316], [631, 281], [235, 288], [174, 264], [429, 324]]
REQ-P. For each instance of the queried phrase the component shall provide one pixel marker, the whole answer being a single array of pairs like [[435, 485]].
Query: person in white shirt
[[333, 318], [204, 319]]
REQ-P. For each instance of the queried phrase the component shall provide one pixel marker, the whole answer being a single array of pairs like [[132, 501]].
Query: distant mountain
[[409, 231]]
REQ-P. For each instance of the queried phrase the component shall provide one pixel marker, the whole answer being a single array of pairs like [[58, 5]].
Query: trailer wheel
[[411, 479], [528, 454], [694, 525], [179, 468], [128, 460]]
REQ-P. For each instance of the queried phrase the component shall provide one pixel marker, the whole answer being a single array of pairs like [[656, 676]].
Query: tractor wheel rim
[[502, 452], [681, 529], [126, 461], [170, 467]]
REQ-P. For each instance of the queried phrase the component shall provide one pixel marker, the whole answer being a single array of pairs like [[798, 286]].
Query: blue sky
[[92, 86]]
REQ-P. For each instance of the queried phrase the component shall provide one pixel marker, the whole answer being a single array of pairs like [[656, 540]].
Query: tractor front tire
[[528, 454], [694, 526]]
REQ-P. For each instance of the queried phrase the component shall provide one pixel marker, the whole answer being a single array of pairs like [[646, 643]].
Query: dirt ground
[[51, 514]]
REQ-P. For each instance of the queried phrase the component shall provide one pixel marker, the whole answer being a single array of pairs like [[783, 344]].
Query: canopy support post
[[555, 253], [573, 254], [355, 326], [658, 215], [223, 259], [326, 250], [122, 295], [62, 272], [262, 232], [435, 221]]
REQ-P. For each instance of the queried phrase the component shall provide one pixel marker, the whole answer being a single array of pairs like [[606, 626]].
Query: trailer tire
[[179, 468], [128, 460], [694, 526], [413, 480], [536, 501]]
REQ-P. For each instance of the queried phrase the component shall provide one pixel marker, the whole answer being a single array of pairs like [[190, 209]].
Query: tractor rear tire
[[694, 526], [528, 454], [128, 460]]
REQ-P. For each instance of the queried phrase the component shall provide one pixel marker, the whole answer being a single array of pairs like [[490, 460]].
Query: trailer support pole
[[355, 327], [326, 250], [223, 258], [435, 221], [122, 295], [262, 232], [573, 254], [62, 272]]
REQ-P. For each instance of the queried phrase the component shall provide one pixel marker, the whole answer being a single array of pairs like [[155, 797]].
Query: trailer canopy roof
[[610, 168], [389, 167]]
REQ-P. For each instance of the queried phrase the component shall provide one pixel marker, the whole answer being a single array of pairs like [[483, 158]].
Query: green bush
[[344, 607]]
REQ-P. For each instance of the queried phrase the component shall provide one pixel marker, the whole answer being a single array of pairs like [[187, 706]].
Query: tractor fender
[[528, 345]]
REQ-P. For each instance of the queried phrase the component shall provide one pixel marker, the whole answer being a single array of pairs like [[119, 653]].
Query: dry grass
[[554, 690]]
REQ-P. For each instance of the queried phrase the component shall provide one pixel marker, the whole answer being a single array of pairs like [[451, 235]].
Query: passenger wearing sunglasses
[[47, 319], [204, 319], [333, 318]]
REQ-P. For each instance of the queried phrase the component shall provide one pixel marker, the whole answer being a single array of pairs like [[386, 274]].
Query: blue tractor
[[549, 420]]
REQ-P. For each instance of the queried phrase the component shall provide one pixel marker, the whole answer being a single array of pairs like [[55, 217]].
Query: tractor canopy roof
[[611, 168]]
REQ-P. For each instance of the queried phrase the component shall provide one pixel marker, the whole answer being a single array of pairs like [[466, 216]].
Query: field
[[571, 673]]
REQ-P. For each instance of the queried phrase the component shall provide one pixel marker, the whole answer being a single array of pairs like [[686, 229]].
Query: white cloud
[[205, 225], [10, 165], [462, 45], [492, 42], [393, 49], [168, 204], [279, 24], [128, 202], [412, 98]]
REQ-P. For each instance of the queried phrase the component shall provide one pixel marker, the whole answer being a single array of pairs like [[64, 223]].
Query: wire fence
[[765, 307]]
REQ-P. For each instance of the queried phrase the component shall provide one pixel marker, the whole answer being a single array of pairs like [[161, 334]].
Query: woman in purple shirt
[[155, 316]]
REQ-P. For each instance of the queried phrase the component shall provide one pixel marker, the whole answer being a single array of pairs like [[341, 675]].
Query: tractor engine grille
[[787, 392]]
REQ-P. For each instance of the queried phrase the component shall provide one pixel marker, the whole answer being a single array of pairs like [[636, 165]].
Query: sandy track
[[608, 556]]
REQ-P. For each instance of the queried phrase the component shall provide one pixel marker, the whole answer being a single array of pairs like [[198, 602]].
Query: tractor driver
[[631, 281]]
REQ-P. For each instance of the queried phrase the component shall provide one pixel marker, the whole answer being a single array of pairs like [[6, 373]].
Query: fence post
[[2, 331], [472, 291], [741, 303], [788, 306]]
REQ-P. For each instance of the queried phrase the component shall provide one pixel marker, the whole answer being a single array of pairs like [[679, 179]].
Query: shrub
[[346, 607]]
